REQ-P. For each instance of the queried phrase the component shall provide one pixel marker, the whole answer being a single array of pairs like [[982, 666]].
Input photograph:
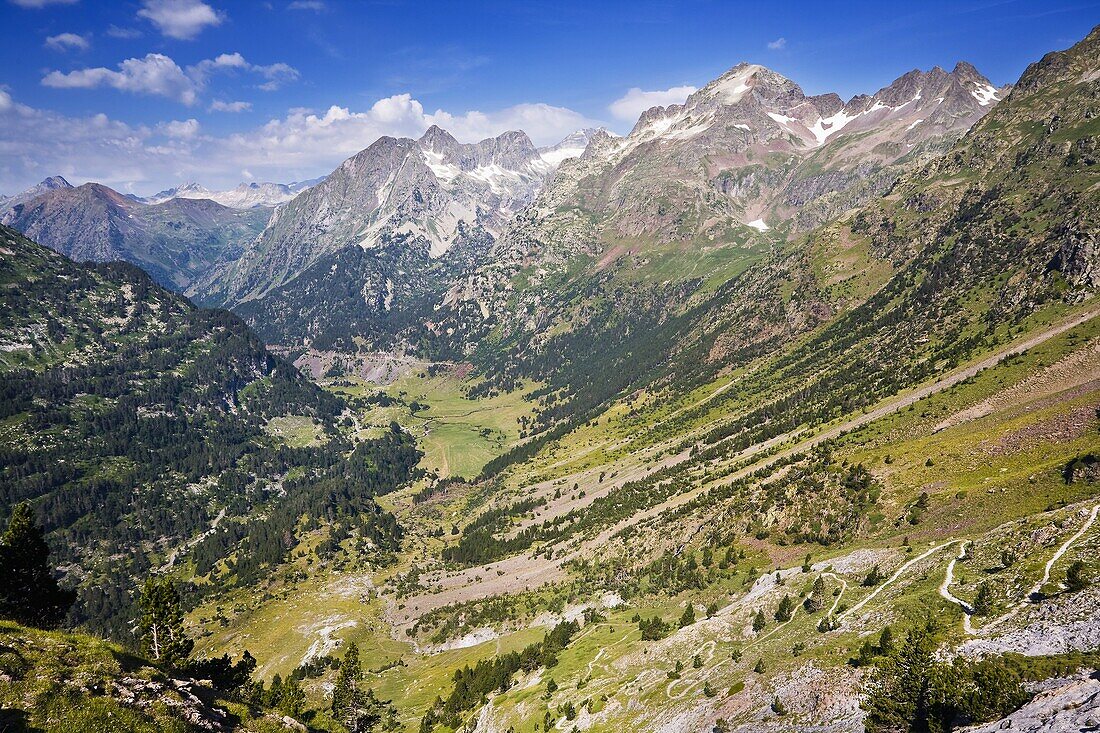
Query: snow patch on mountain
[[986, 94]]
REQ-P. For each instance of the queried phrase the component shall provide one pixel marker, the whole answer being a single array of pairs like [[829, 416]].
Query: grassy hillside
[[63, 682]]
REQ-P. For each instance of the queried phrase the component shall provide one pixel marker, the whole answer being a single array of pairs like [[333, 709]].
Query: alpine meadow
[[743, 406]]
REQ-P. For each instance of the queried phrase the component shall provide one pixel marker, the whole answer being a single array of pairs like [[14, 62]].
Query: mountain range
[[244, 196], [747, 153]]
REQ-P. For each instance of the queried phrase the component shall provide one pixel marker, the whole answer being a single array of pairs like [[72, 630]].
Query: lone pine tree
[[160, 627], [29, 593]]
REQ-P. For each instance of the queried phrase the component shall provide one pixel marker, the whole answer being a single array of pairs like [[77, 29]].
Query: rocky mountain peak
[[512, 150], [438, 140], [965, 71], [53, 182], [573, 145], [1078, 63], [766, 85]]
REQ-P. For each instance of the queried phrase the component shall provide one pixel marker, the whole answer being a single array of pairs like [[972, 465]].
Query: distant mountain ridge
[[446, 226], [751, 147], [174, 241], [244, 196]]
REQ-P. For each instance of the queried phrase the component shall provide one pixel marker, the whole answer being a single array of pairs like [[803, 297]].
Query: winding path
[[897, 574], [1062, 551], [945, 588], [1032, 595]]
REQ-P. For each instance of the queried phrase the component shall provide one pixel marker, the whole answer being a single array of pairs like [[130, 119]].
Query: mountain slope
[[676, 208], [147, 432], [746, 149], [425, 194], [175, 241], [73, 683], [883, 420]]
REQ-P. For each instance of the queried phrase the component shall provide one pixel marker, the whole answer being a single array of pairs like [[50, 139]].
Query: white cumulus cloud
[[544, 123], [155, 74], [159, 75], [181, 129], [182, 19], [631, 105], [276, 74], [778, 44], [301, 144], [66, 41]]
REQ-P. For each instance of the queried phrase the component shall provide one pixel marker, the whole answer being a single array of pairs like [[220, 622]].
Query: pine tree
[[356, 708], [343, 694], [758, 621], [160, 627], [689, 616], [983, 600], [785, 610], [816, 600], [29, 594], [874, 577], [886, 641], [905, 692]]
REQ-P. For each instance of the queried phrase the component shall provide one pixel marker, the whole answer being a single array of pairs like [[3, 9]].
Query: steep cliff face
[[423, 195]]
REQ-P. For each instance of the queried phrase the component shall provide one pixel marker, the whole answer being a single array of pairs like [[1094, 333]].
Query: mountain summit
[[428, 194]]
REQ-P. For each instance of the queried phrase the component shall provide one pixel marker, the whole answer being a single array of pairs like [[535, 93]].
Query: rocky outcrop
[[1071, 706]]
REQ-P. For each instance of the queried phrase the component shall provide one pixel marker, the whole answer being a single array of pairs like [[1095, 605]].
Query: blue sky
[[141, 94]]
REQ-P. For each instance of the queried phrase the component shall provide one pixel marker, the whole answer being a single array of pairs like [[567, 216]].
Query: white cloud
[[182, 19], [544, 123], [155, 74], [302, 144], [66, 41], [159, 75], [41, 3], [220, 106], [181, 129], [314, 5], [38, 143], [631, 105], [276, 74], [778, 44]]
